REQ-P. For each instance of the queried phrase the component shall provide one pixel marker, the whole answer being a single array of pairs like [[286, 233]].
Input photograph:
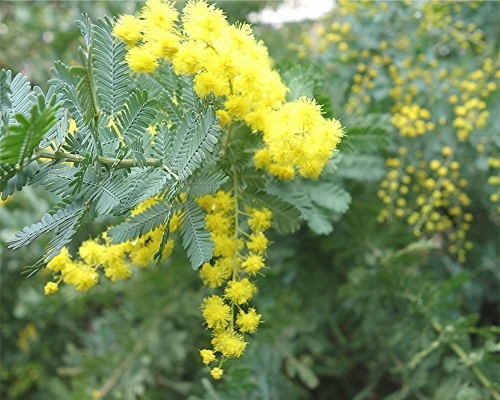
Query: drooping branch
[[125, 163]]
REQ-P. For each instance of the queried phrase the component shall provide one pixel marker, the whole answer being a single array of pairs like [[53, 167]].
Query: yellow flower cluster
[[27, 336], [297, 136], [429, 197], [235, 263], [116, 260], [451, 28], [468, 94], [429, 194], [494, 180], [229, 62], [411, 121]]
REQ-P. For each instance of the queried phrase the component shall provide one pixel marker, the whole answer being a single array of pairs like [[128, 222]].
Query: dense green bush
[[398, 300]]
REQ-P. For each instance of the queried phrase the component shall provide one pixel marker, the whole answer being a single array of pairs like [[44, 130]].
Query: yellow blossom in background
[[27, 336]]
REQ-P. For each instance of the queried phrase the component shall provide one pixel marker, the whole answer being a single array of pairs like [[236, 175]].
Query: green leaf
[[162, 141], [65, 83], [164, 86], [104, 191], [86, 89], [251, 178], [320, 203], [110, 194], [7, 171], [19, 180], [361, 167], [110, 69], [166, 234], [5, 91], [22, 97], [189, 99], [140, 224], [152, 182], [366, 133], [48, 223], [136, 116], [86, 96], [319, 221], [299, 82], [329, 196], [85, 26], [109, 140], [64, 234], [205, 183], [22, 139], [195, 238], [59, 178], [195, 141], [304, 372], [286, 217]]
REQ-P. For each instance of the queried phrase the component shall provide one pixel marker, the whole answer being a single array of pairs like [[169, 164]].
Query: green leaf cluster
[[110, 162]]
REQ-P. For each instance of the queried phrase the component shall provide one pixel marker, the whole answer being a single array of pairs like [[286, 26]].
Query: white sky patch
[[292, 11]]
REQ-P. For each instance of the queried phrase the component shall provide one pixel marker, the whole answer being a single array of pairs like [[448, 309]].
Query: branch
[[125, 163]]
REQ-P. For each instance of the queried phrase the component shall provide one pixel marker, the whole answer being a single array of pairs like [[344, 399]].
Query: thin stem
[[230, 129], [125, 163], [236, 231], [464, 357], [149, 330]]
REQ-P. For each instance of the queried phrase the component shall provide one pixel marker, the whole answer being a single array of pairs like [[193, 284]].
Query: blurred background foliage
[[401, 301]]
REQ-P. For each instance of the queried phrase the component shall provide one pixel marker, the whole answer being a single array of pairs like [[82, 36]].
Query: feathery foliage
[[139, 224], [195, 239]]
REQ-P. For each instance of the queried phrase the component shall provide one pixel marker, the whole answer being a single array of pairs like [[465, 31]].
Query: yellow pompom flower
[[283, 172], [203, 21], [217, 314], [129, 29], [142, 59], [189, 58], [91, 252], [260, 219], [217, 373], [253, 264], [159, 15], [51, 288], [208, 356], [262, 158], [223, 117], [116, 268], [212, 276], [207, 82], [230, 344], [81, 276], [248, 321], [217, 223], [237, 106], [258, 243], [60, 262], [239, 292]]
